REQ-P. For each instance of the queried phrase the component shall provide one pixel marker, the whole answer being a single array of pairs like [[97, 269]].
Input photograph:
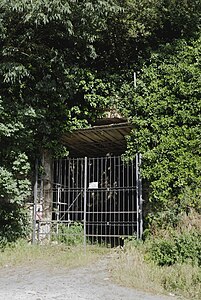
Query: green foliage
[[13, 223], [181, 248], [44, 89], [163, 19], [14, 185], [45, 47], [132, 34], [165, 110], [14, 190], [64, 62], [70, 235]]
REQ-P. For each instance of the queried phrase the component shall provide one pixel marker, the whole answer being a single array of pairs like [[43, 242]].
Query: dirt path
[[87, 283]]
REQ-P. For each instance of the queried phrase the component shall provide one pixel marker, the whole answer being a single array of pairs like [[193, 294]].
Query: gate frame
[[139, 202]]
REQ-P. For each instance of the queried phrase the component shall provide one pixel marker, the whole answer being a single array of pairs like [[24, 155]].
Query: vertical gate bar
[[57, 197], [81, 186], [114, 193], [123, 189], [137, 194], [64, 193], [140, 198], [85, 202], [35, 202], [128, 199], [60, 171], [41, 188], [97, 198], [77, 190], [88, 224], [58, 207], [73, 189], [110, 199], [128, 174], [69, 191], [119, 193], [88, 203], [93, 199], [106, 198], [55, 179], [101, 198], [61, 184], [133, 197]]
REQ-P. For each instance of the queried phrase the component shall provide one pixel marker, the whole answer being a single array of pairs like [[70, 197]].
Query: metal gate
[[103, 194]]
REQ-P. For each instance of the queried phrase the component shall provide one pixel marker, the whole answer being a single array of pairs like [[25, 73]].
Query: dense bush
[[180, 248], [14, 191], [13, 223]]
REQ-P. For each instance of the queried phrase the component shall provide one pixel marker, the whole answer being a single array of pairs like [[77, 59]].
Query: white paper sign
[[93, 185]]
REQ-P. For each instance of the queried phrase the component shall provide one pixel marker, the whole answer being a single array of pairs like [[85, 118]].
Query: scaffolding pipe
[[135, 80]]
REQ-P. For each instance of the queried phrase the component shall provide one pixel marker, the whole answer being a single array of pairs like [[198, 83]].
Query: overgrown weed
[[49, 256], [182, 279], [129, 268], [133, 267]]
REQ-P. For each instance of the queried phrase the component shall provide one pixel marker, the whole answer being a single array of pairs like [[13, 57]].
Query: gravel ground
[[86, 283]]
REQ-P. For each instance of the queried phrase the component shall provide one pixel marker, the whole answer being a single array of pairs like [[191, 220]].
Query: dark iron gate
[[104, 194]]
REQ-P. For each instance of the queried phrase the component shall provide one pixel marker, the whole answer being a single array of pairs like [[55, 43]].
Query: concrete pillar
[[47, 199]]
